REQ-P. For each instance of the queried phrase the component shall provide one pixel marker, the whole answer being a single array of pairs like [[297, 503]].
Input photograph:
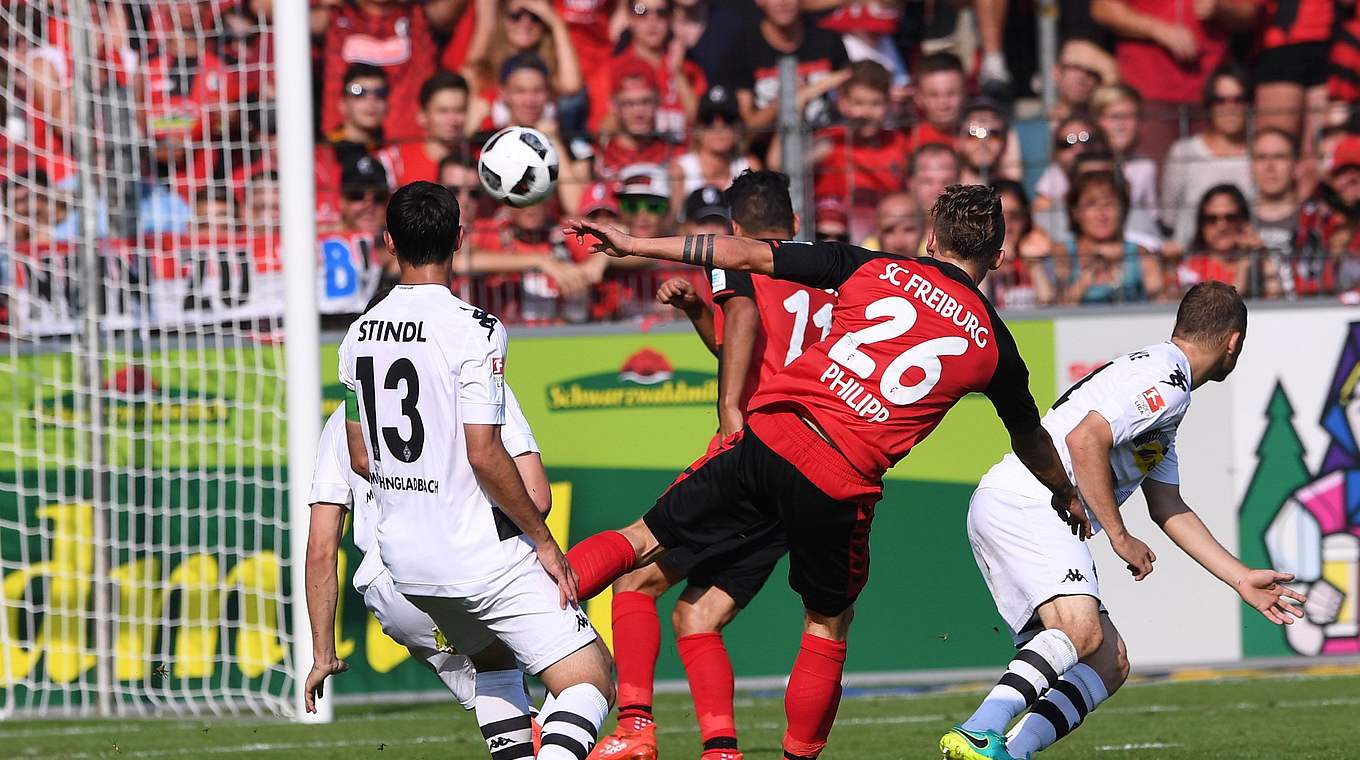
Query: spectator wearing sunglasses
[[364, 106], [1072, 137], [363, 196], [831, 220], [679, 80], [645, 200], [1225, 243], [716, 154], [983, 144], [443, 118], [1218, 155]]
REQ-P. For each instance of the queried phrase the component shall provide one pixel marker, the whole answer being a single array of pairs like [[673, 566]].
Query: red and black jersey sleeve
[[1009, 389], [823, 265], [729, 283]]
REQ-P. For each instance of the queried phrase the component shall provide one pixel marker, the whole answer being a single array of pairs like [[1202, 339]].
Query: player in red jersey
[[767, 324], [909, 338]]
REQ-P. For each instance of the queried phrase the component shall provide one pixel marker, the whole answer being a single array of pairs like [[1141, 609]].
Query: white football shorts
[[520, 607], [414, 629], [1027, 555]]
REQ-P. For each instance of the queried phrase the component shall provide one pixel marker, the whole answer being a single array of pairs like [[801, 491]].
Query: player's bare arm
[[679, 292], [1035, 450], [1089, 444], [354, 440], [708, 251], [499, 477], [1263, 589], [530, 466], [741, 323], [323, 588]]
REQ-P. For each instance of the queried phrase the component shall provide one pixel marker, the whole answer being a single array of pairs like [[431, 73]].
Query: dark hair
[[442, 80], [1002, 186], [525, 60], [1209, 312], [422, 219], [870, 74], [1089, 180], [937, 62], [760, 202], [363, 71], [969, 223], [1280, 133], [927, 149], [1228, 71], [1231, 191]]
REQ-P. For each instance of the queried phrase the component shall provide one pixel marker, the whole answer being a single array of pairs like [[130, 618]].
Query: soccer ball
[[518, 166]]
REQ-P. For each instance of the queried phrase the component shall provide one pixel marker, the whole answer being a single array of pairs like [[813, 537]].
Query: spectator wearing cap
[[899, 225], [754, 65], [867, 30], [679, 80], [1167, 51], [706, 212], [859, 161], [363, 195], [511, 29], [939, 99], [984, 140], [636, 97], [644, 194], [1217, 155], [1327, 243], [397, 37], [715, 156], [831, 221], [443, 118]]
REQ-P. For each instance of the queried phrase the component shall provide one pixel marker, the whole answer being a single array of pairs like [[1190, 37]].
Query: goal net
[[144, 551]]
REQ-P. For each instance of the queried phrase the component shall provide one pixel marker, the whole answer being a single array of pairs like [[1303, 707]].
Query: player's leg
[[415, 630], [1079, 691], [583, 691], [637, 643]]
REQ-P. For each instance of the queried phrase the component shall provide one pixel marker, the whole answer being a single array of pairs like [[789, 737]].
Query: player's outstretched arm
[[323, 588], [499, 477], [708, 251], [1262, 589], [1035, 450], [1089, 443]]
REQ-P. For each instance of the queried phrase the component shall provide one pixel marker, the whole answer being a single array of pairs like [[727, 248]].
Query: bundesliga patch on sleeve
[[718, 279], [498, 369], [1149, 402]]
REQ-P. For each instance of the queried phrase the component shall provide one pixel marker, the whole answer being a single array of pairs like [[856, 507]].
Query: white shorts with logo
[[1027, 555], [520, 607], [414, 630]]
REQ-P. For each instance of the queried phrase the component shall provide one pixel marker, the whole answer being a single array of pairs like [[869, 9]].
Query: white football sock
[[570, 730], [1035, 669], [503, 713], [1062, 709]]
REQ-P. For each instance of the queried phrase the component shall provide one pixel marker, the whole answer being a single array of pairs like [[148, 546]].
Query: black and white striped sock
[[571, 729], [503, 713], [1035, 669], [1062, 709]]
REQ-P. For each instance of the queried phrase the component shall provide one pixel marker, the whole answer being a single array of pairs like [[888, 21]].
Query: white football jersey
[[335, 482], [1143, 395], [422, 363]]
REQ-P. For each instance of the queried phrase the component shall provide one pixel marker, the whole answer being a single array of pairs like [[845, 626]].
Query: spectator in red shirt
[[784, 30], [1166, 49], [365, 107], [397, 37], [519, 28], [636, 97], [1224, 243], [679, 80], [716, 156], [546, 287], [933, 167], [939, 99], [592, 25], [861, 160], [443, 117]]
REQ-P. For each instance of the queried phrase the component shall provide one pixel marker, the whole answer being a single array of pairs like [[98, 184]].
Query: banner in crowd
[[181, 281]]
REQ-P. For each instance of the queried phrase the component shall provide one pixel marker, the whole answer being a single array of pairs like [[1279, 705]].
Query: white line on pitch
[[1128, 747]]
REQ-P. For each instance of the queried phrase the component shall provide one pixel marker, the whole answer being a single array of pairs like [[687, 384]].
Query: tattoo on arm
[[699, 250]]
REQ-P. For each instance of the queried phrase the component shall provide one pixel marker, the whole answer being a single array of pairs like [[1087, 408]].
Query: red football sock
[[637, 641], [600, 560], [813, 694], [710, 682]]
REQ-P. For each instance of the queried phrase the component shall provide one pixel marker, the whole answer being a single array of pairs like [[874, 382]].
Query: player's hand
[[1180, 42], [316, 679], [1137, 554], [679, 292], [1265, 590], [552, 560], [609, 239], [1072, 510]]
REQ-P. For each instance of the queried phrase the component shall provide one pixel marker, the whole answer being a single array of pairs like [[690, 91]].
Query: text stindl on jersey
[[392, 332]]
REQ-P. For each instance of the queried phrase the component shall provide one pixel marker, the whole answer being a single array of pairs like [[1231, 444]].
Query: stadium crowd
[[1190, 139]]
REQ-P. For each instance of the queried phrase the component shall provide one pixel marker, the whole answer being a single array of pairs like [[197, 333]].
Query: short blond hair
[[1107, 95]]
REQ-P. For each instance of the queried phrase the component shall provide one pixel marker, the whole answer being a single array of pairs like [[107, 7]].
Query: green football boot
[[962, 744]]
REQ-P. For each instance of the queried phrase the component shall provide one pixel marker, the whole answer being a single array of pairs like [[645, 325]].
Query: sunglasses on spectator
[[1218, 100], [642, 10], [1233, 218], [710, 118], [360, 196], [521, 14], [463, 189], [981, 132], [1072, 139], [356, 90], [636, 204], [834, 237]]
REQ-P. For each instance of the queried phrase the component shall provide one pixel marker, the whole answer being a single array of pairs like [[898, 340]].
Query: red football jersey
[[792, 318], [909, 338], [399, 42], [408, 162]]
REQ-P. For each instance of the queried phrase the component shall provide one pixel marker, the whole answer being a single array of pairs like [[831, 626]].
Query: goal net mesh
[[143, 542]]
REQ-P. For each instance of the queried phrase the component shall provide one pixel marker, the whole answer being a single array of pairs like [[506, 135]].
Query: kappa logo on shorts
[[498, 742], [582, 622], [1074, 576]]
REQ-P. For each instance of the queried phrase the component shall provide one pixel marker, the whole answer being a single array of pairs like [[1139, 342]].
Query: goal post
[[159, 358]]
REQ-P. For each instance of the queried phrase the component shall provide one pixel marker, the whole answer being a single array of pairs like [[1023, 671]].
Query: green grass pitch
[[1293, 716]]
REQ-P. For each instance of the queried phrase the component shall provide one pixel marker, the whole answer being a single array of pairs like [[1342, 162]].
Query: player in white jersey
[[337, 489], [457, 530], [1116, 432]]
